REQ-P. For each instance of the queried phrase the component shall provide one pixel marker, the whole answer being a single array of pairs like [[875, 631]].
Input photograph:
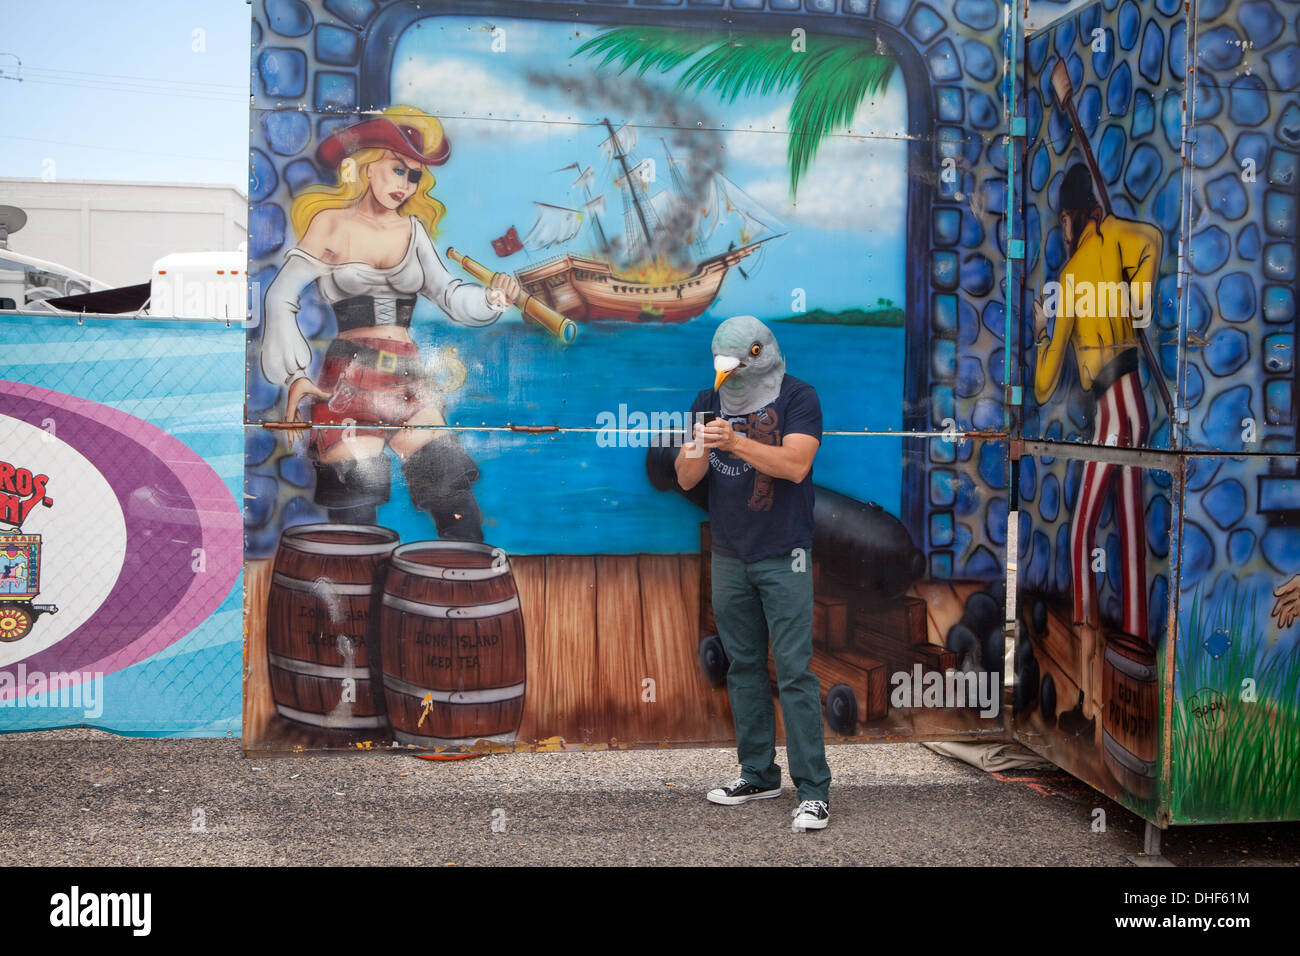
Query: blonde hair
[[354, 179]]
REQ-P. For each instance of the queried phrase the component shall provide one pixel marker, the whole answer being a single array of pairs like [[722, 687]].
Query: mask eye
[[755, 349]]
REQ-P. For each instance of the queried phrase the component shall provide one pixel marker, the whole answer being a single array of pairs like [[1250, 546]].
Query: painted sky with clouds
[[516, 115]]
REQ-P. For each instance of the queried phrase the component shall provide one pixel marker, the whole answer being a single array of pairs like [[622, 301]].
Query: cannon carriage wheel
[[842, 709], [713, 660]]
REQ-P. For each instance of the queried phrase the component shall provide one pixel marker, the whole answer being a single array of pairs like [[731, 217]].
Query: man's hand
[[791, 460], [717, 434], [503, 290]]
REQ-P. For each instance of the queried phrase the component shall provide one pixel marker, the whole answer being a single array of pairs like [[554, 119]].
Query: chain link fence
[[120, 525]]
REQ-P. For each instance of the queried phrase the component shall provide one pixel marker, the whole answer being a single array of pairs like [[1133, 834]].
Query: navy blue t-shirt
[[751, 515]]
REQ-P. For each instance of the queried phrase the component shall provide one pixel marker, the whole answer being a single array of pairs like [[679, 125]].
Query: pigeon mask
[[748, 363]]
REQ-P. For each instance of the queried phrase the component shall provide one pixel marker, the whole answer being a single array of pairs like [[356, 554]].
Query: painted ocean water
[[564, 493]]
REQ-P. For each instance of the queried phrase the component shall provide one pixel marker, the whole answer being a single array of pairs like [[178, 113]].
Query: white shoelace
[[809, 806]]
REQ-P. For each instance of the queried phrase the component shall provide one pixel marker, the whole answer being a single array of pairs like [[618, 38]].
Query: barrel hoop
[[320, 584], [453, 613], [291, 540], [312, 669], [403, 563], [1122, 756], [1129, 667], [485, 695], [325, 721], [405, 738]]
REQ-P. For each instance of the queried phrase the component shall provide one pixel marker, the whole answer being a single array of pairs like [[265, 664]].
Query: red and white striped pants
[[1121, 420]]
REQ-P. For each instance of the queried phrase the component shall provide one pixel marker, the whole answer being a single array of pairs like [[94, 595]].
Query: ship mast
[[679, 185], [595, 219], [631, 186]]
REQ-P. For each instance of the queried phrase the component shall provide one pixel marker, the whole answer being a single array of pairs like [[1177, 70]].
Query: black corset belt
[[364, 312]]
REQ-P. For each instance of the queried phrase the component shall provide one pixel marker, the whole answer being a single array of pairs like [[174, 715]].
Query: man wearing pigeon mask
[[757, 454]]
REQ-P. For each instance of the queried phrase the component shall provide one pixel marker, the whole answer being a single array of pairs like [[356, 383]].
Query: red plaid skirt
[[370, 390]]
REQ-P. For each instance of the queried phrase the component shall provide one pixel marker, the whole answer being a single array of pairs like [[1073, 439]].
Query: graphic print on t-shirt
[[764, 427]]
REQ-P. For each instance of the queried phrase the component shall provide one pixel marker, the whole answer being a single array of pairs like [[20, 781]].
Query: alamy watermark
[[185, 296], [951, 689], [1086, 300], [638, 429], [71, 689], [129, 910]]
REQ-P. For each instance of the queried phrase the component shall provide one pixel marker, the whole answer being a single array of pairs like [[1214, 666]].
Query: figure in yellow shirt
[[1108, 282]]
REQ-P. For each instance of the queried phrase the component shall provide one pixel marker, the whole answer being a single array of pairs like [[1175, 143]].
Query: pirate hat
[[383, 134]]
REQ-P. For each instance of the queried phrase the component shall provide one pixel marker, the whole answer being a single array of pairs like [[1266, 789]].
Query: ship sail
[[738, 203], [665, 205], [643, 172], [623, 141], [697, 218], [554, 226], [721, 201], [709, 214]]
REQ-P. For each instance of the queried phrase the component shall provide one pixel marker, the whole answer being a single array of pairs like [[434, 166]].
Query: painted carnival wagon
[[20, 582]]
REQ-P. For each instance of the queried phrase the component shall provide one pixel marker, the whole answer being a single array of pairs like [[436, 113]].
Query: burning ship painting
[[641, 276]]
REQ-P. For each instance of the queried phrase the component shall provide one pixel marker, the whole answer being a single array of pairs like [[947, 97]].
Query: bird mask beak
[[724, 365]]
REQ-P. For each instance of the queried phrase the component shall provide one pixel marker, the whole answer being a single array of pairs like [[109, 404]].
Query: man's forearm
[[691, 468], [779, 461]]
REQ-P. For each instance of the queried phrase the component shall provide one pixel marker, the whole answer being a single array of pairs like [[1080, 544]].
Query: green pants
[[752, 602]]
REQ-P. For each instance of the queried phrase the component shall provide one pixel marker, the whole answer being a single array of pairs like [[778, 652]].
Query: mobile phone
[[708, 417]]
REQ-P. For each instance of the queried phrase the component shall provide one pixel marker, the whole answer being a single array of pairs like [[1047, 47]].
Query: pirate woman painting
[[366, 244]]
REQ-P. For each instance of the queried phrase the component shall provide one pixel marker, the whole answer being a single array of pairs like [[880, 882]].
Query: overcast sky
[[136, 90]]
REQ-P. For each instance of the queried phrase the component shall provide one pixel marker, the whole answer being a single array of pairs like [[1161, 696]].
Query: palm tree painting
[[831, 75]]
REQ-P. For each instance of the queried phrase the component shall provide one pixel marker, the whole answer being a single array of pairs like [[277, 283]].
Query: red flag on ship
[[508, 244]]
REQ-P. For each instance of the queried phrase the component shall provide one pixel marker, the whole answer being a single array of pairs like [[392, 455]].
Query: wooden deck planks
[[566, 680], [621, 665], [259, 706]]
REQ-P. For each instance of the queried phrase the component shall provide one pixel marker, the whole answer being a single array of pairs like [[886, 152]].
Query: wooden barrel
[[1128, 726], [318, 624], [452, 645]]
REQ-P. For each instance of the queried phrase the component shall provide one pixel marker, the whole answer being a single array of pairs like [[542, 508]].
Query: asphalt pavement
[[83, 797]]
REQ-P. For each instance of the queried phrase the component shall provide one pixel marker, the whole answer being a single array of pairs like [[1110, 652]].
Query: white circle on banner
[[83, 536]]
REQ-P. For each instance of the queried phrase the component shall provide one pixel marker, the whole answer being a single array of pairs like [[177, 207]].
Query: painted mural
[[492, 246], [1099, 296], [120, 544], [1234, 695], [1153, 587]]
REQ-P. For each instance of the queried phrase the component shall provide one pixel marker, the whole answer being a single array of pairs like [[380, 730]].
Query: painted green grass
[[1244, 765]]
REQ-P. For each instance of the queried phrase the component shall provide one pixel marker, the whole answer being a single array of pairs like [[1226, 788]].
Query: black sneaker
[[811, 815], [740, 790]]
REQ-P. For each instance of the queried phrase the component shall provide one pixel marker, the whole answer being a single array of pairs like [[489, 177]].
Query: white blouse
[[285, 352]]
